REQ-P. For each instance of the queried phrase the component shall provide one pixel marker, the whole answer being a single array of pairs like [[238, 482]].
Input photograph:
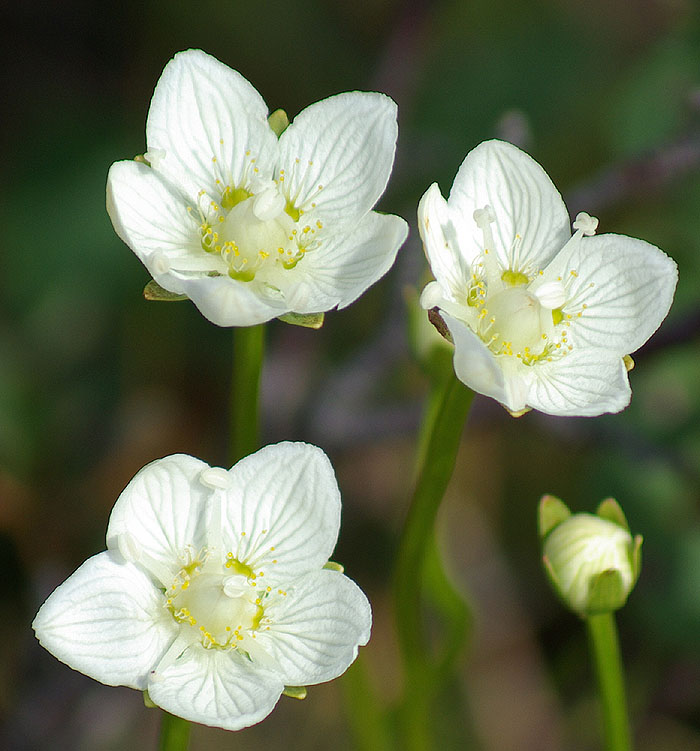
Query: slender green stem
[[174, 733], [444, 419], [605, 649], [445, 415], [248, 349], [365, 713]]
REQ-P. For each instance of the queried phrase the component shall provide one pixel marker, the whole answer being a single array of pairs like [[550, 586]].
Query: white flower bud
[[592, 560]]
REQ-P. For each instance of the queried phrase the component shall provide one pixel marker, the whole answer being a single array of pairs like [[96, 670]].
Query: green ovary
[[222, 608], [514, 323]]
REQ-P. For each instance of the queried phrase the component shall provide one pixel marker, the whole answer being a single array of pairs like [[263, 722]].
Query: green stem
[[174, 733], [248, 349], [605, 647], [446, 413], [365, 713]]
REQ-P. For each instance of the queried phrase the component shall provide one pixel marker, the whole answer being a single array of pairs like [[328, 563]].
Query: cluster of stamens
[[510, 318], [222, 601], [253, 226]]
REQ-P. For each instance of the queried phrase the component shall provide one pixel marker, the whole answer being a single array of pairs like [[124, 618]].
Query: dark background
[[95, 382]]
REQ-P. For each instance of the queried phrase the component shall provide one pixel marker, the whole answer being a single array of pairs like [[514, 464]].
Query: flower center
[[218, 601], [256, 232], [513, 322]]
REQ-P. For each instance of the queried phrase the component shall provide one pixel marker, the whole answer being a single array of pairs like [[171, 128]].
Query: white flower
[[212, 593], [249, 226], [539, 319]]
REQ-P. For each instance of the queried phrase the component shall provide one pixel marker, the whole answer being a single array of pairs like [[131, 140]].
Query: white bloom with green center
[[539, 318], [212, 593], [250, 226]]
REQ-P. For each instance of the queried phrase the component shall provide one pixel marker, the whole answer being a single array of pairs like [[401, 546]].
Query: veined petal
[[227, 302], [338, 154], [221, 689], [283, 510], [524, 201], [586, 382], [147, 213], [160, 515], [151, 217], [443, 243], [626, 285], [107, 621], [475, 365], [316, 628], [341, 269], [211, 123]]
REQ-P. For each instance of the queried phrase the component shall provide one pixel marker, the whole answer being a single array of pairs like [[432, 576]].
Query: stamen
[[586, 223]]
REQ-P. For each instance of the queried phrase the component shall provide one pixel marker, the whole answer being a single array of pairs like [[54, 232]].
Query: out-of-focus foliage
[[95, 381]]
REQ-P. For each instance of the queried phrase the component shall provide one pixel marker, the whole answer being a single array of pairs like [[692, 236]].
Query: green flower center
[[220, 602]]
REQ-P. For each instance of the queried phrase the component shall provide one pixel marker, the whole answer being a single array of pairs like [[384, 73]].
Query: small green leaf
[[606, 592], [279, 122], [295, 692], [552, 512], [610, 509], [333, 566], [637, 557], [153, 291], [307, 320]]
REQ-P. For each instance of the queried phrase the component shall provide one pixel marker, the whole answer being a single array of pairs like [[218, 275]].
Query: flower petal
[[586, 382], [151, 217], [283, 510], [523, 198], [449, 258], [475, 365], [221, 689], [160, 515], [338, 154], [317, 627], [106, 620], [626, 284], [211, 123], [227, 302], [338, 272]]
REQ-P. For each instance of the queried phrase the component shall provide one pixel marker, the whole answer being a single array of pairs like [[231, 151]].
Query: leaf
[[307, 320], [295, 692], [153, 291], [551, 513], [333, 566]]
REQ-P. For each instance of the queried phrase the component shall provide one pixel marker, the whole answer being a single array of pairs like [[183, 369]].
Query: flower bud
[[592, 559]]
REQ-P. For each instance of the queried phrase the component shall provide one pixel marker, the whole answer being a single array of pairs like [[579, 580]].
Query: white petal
[[475, 365], [338, 272], [283, 510], [586, 382], [221, 689], [160, 515], [448, 251], [107, 621], [626, 284], [338, 154], [228, 302], [201, 111], [523, 198], [317, 628]]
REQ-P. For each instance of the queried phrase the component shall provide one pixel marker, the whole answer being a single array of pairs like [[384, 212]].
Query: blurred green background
[[95, 382]]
